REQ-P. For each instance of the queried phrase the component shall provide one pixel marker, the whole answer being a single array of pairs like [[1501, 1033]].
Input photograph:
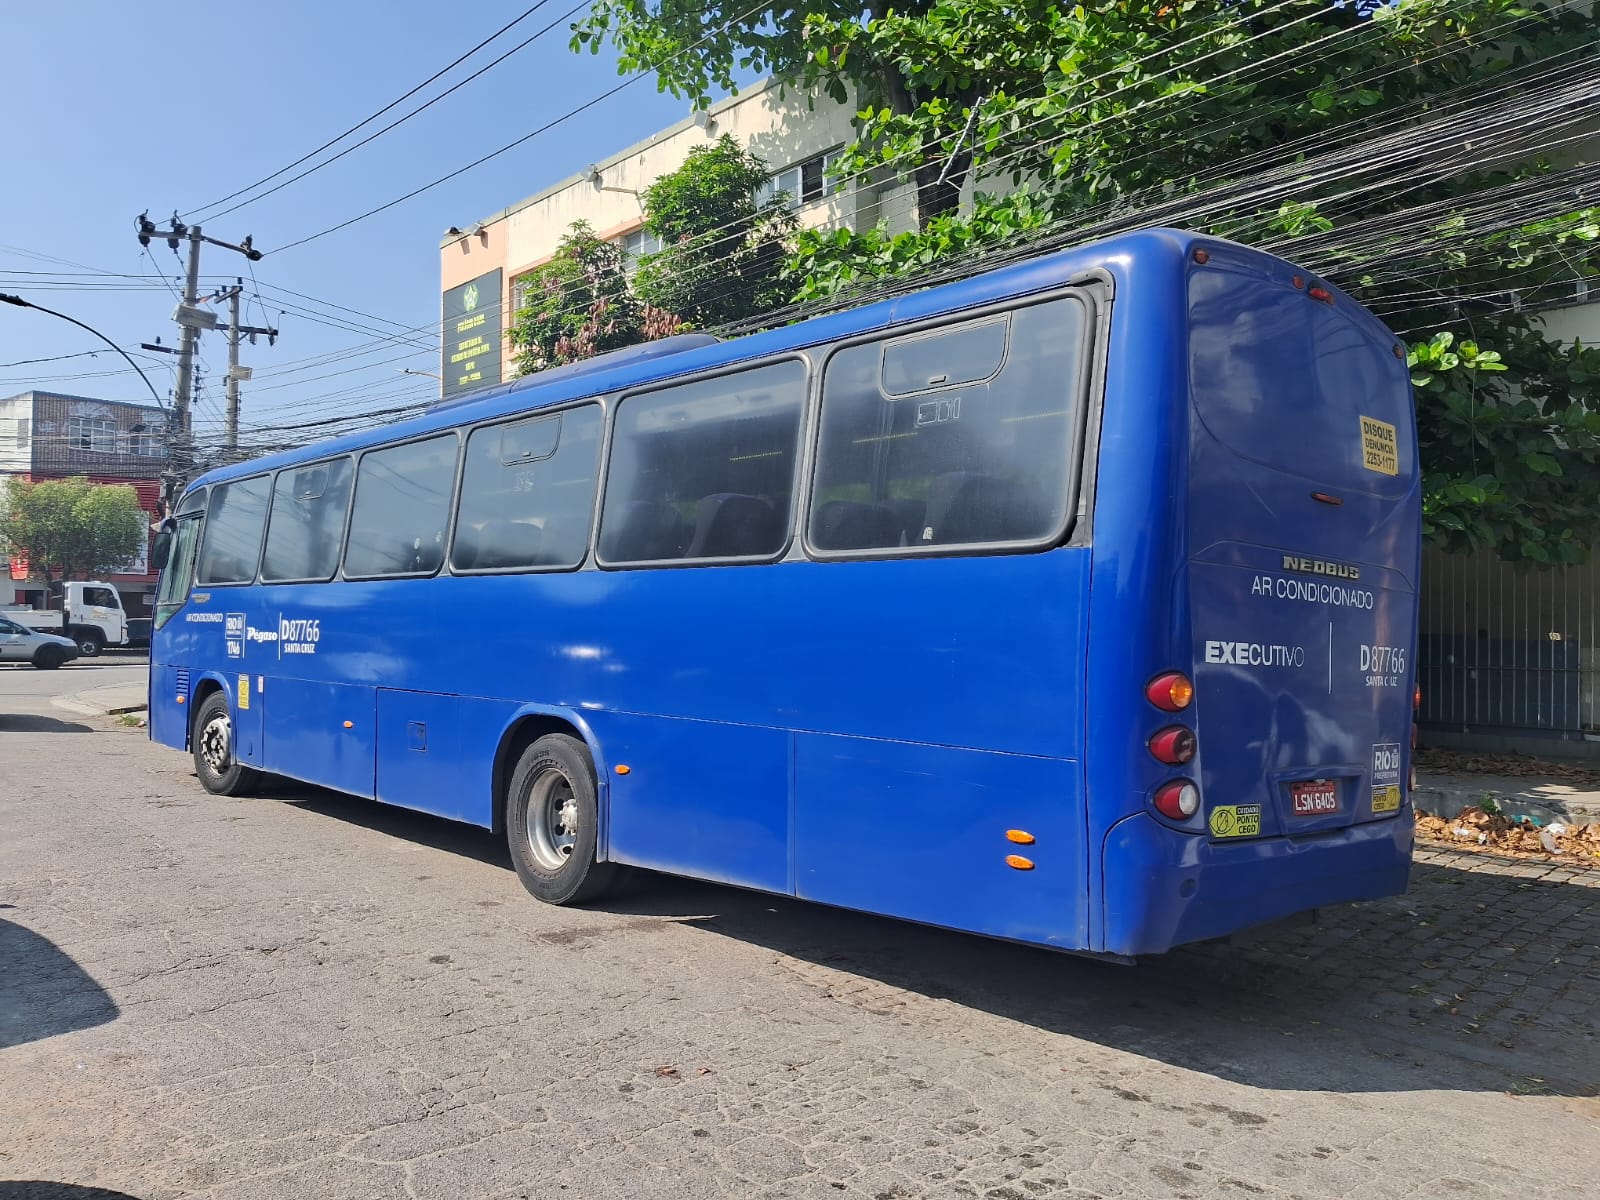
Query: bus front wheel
[[552, 818], [220, 772]]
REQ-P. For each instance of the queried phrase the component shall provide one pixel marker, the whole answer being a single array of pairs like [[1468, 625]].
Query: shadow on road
[[43, 1189], [1477, 978], [26, 723], [43, 992]]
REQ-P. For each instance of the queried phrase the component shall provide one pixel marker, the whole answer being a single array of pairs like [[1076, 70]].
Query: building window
[[519, 293], [96, 434], [635, 246], [803, 182], [24, 428], [142, 444]]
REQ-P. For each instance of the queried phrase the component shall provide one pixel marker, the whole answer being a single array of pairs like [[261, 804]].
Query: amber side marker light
[[1170, 691], [1020, 863], [623, 768], [1020, 836]]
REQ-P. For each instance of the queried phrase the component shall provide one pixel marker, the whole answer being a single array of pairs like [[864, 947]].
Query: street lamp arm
[[21, 303]]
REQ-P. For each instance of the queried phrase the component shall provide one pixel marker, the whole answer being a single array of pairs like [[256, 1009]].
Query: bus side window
[[958, 436], [402, 505], [307, 523], [235, 519], [527, 492], [705, 470]]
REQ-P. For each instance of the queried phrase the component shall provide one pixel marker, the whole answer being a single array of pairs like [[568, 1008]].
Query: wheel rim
[[216, 743], [553, 819]]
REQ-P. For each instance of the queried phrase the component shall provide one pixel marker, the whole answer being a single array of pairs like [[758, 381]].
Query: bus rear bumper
[[1163, 888]]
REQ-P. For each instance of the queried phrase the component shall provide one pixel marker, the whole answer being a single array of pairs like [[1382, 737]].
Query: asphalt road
[[25, 682], [311, 996]]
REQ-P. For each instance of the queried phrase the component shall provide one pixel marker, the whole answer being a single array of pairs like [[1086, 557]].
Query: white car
[[46, 651]]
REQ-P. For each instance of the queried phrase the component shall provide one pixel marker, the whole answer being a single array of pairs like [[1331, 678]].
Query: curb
[[1447, 802]]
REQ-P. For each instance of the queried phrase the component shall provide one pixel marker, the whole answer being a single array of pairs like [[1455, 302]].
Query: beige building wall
[[780, 127]]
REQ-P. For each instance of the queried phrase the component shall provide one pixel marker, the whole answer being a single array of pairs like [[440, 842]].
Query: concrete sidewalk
[[1439, 793], [1539, 797], [112, 700]]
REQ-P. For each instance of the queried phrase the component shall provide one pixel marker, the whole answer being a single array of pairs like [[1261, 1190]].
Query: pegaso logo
[[1319, 566], [469, 298]]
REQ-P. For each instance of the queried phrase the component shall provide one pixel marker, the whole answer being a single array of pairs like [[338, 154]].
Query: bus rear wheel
[[220, 772], [552, 819]]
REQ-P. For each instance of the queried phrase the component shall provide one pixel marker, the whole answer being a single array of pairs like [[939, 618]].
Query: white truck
[[93, 616]]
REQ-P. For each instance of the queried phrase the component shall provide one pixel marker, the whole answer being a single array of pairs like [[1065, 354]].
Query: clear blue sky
[[113, 109]]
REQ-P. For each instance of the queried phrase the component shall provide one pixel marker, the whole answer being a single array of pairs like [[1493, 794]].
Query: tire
[[90, 643], [552, 819], [220, 772], [48, 658]]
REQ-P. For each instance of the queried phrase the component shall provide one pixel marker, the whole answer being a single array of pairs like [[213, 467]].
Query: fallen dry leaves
[[1475, 829]]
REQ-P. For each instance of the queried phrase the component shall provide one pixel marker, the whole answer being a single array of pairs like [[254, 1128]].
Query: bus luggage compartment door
[[322, 733], [921, 832]]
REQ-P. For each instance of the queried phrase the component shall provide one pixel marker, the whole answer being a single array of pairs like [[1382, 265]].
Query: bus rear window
[[1298, 385]]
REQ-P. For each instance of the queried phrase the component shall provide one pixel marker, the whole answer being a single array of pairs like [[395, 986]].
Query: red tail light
[[1170, 692], [1416, 697], [1178, 800], [1321, 293], [1173, 745]]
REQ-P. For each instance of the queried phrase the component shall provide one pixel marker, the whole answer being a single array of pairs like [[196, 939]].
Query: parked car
[[46, 651]]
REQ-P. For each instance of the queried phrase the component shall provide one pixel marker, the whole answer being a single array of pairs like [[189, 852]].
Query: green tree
[[579, 305], [71, 526], [696, 49], [723, 255]]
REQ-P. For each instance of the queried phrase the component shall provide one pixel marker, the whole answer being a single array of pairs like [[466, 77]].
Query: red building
[[45, 435]]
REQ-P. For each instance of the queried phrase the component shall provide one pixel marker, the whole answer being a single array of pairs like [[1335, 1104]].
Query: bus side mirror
[[161, 549]]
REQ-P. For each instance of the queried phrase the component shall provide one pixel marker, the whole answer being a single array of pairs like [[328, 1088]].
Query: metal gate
[[1509, 647]]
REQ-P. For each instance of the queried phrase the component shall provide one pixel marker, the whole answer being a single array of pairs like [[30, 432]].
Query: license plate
[[1314, 797]]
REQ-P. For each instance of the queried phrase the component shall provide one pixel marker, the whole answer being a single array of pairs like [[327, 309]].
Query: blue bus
[[1073, 603]]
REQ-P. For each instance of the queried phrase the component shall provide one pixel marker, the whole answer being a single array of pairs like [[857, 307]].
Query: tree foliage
[[698, 49], [72, 527], [722, 255], [579, 304], [1418, 153]]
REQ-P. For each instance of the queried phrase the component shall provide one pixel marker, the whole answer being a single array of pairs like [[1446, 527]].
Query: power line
[[549, 125], [205, 208]]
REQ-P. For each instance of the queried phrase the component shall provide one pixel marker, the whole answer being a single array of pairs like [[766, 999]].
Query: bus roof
[[628, 370]]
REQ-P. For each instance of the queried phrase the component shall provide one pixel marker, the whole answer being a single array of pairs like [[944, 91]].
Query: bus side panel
[[169, 707], [321, 733], [434, 753], [700, 798], [920, 832]]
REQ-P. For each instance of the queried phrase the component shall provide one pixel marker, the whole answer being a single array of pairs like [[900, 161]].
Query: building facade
[[482, 264], [47, 435]]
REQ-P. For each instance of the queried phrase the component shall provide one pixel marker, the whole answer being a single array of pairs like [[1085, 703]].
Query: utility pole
[[191, 318], [236, 373], [189, 338], [230, 440]]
